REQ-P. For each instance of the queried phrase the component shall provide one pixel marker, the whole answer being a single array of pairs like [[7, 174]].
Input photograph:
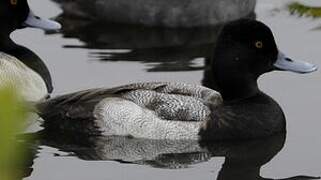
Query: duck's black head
[[15, 14], [251, 47], [245, 50]]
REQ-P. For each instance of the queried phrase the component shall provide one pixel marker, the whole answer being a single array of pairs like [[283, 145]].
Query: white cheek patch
[[15, 74]]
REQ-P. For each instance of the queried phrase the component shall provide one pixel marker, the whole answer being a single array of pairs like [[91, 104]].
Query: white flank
[[117, 116], [14, 73]]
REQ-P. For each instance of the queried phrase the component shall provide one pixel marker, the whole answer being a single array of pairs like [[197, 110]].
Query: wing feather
[[170, 101]]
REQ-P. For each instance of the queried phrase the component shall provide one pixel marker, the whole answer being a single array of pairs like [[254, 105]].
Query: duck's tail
[[67, 113], [36, 106]]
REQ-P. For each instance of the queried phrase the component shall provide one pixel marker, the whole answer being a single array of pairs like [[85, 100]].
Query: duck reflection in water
[[165, 13], [163, 48], [243, 160]]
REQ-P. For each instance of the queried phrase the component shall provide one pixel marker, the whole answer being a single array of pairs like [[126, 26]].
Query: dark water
[[90, 54]]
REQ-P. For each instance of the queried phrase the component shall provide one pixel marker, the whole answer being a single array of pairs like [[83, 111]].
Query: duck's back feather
[[160, 103]]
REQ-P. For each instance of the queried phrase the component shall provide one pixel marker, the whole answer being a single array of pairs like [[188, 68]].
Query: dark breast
[[255, 117]]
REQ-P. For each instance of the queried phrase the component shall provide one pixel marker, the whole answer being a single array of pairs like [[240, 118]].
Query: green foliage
[[12, 117], [302, 10]]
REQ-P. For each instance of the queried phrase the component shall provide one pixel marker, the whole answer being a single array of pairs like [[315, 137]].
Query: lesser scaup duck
[[245, 50], [19, 66]]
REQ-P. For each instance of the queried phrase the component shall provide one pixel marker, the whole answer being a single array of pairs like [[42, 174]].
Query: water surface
[[87, 55]]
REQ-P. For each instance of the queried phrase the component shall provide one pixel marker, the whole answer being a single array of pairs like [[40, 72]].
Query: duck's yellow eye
[[13, 2], [259, 44]]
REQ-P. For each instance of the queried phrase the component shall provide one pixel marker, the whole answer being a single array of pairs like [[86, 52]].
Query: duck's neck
[[6, 43], [234, 86], [26, 56], [238, 171], [231, 73]]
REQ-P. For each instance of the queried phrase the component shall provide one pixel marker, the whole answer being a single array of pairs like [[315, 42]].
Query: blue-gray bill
[[287, 64], [41, 23]]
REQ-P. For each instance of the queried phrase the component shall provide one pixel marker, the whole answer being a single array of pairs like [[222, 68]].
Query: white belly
[[15, 74], [117, 116]]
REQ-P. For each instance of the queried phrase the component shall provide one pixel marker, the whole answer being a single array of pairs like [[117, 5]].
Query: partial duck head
[[245, 50], [15, 14]]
